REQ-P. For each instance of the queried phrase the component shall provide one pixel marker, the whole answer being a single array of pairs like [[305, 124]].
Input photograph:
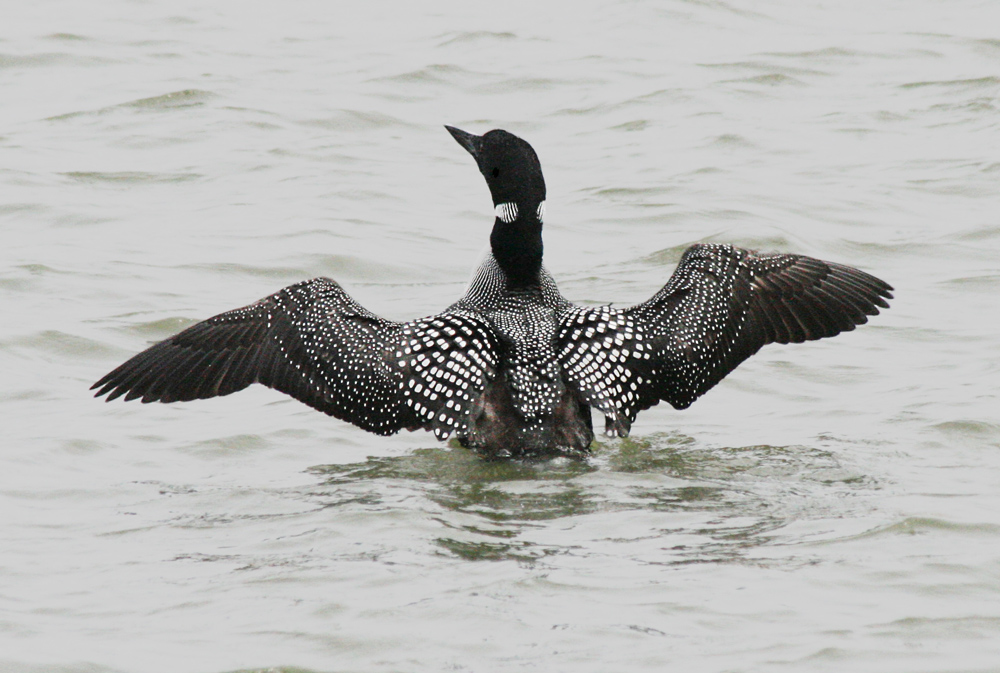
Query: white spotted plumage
[[512, 368]]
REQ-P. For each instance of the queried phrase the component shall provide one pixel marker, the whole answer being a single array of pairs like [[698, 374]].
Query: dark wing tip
[[114, 384], [215, 357], [861, 286], [802, 299]]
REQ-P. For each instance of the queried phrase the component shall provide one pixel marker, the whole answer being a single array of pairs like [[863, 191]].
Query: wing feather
[[316, 344], [721, 305]]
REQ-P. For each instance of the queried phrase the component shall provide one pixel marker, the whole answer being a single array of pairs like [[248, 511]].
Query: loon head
[[512, 171]]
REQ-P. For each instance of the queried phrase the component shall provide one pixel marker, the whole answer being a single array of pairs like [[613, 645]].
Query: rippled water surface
[[829, 507]]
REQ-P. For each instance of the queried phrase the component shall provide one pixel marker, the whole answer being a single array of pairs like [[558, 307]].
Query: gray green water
[[829, 507]]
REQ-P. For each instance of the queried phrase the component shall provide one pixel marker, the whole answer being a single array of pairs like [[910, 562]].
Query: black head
[[515, 179], [511, 169]]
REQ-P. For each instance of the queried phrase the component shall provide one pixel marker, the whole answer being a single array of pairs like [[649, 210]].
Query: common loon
[[512, 368]]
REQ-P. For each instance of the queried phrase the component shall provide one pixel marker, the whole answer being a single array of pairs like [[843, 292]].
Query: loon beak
[[470, 142]]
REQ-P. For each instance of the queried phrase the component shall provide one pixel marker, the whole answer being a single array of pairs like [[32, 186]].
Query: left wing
[[314, 342]]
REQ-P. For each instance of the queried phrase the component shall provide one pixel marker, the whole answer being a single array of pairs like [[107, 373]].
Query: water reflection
[[708, 504]]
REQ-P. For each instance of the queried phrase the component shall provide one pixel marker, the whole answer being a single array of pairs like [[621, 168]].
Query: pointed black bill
[[470, 142]]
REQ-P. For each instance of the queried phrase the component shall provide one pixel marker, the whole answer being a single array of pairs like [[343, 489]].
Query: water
[[828, 507]]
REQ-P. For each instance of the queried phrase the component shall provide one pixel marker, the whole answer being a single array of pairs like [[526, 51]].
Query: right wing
[[721, 305]]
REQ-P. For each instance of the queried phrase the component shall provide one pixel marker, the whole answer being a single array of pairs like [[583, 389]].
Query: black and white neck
[[514, 176], [516, 241]]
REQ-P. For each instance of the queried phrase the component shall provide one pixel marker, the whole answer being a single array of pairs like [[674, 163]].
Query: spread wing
[[315, 343], [721, 305]]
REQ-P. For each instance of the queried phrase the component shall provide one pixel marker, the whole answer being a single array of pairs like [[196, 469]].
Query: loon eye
[[496, 172]]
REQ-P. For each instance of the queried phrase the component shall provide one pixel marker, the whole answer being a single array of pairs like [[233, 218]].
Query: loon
[[512, 369]]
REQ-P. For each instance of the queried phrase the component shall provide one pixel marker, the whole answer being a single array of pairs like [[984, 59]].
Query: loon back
[[529, 407], [512, 368]]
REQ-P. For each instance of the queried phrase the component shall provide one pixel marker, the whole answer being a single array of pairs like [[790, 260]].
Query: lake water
[[833, 506]]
